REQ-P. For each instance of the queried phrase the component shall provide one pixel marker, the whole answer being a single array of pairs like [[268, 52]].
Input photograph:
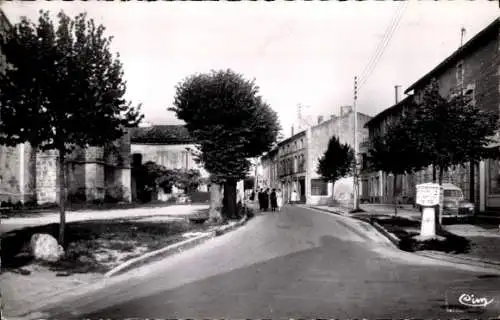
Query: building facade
[[377, 187], [293, 163], [473, 69], [320, 192], [168, 145]]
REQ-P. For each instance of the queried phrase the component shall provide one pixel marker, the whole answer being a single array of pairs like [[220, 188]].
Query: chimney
[[292, 131], [344, 110], [397, 94], [320, 119]]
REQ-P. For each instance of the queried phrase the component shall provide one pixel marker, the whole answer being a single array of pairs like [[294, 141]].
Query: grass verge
[[97, 246], [406, 230]]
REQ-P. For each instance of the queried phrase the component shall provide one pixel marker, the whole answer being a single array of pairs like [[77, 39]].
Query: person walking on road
[[265, 199], [279, 199], [274, 202], [260, 196], [294, 197]]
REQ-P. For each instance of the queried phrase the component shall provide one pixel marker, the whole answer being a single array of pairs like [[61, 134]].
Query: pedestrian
[[279, 199], [260, 196], [294, 196], [274, 202], [265, 199]]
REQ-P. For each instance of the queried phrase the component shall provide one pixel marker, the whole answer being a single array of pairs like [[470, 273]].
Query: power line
[[379, 46], [395, 26]]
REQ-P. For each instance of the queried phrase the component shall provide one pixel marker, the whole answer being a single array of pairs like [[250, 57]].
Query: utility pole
[[256, 180], [462, 36], [356, 181]]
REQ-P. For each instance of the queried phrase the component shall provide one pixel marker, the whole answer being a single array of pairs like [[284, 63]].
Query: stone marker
[[45, 247]]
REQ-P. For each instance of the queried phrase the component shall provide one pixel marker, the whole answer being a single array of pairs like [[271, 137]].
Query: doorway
[[302, 187]]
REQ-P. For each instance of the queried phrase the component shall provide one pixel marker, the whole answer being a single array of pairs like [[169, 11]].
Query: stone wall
[[9, 174], [47, 181]]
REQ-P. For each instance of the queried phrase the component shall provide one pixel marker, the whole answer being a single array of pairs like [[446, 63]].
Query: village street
[[296, 263]]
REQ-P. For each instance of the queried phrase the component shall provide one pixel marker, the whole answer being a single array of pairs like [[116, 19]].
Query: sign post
[[428, 196]]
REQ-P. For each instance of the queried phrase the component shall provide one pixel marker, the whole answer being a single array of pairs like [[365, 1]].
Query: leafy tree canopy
[[398, 149], [229, 120], [337, 161], [152, 175], [435, 131], [454, 130], [63, 86]]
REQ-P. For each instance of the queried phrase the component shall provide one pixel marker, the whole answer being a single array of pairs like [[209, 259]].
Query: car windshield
[[452, 193]]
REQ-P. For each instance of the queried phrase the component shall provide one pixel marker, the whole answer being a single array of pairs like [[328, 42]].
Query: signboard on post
[[428, 194]]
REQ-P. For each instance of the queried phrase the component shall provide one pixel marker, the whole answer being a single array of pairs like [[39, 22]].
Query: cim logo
[[470, 300]]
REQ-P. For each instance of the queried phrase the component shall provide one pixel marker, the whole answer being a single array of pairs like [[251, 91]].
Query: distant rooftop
[[161, 134]]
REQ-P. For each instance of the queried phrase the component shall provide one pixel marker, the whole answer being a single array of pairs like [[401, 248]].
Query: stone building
[[284, 167], [292, 164], [168, 145], [474, 70], [97, 173], [318, 138]]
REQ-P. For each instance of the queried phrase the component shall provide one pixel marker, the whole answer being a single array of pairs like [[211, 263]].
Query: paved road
[[298, 263]]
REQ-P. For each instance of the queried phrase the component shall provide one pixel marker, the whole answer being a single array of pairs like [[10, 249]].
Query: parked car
[[454, 203]]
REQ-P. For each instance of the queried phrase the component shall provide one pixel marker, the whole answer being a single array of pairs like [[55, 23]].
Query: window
[[319, 187], [364, 161], [494, 176], [301, 143], [301, 163]]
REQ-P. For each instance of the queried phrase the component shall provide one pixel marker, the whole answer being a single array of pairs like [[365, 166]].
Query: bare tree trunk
[[215, 210], [472, 182], [333, 193], [434, 173], [62, 197], [440, 206], [229, 201], [33, 170], [394, 194]]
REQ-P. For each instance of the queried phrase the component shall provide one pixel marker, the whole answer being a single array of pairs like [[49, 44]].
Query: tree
[[454, 129], [231, 123], [64, 90], [189, 180], [438, 132], [397, 151], [336, 162], [149, 177], [249, 183]]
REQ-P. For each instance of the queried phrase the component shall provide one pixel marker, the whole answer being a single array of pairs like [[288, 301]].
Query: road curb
[[328, 211], [476, 262], [172, 249], [394, 239], [160, 253]]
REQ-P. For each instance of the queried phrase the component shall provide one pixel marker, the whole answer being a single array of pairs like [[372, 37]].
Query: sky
[[298, 52]]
